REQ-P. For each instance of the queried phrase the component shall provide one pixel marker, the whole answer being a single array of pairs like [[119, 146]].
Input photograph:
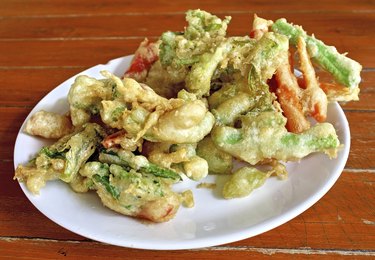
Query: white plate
[[212, 221]]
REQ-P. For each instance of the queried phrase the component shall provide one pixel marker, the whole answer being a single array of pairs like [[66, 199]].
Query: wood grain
[[47, 249], [347, 26], [74, 44], [72, 7], [42, 43]]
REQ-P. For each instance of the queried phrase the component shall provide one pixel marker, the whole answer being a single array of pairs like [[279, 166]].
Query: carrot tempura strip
[[314, 100], [288, 93]]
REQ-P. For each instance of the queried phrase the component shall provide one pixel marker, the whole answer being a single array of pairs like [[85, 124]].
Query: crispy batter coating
[[48, 125]]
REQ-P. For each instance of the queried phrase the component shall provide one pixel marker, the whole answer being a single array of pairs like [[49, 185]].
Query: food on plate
[[48, 125], [133, 192], [219, 162], [289, 96], [345, 71], [243, 181], [61, 160], [194, 103], [263, 135]]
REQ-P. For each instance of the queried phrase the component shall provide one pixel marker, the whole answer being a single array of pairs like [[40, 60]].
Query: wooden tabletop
[[44, 42]]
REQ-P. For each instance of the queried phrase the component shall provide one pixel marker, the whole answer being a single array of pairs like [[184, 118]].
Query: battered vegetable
[[264, 136], [345, 70], [244, 181], [219, 162], [140, 163], [133, 193], [62, 160], [192, 103], [49, 125]]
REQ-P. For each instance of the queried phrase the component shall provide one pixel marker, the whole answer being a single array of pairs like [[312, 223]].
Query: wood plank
[[38, 81], [12, 119], [362, 126], [68, 46], [342, 219], [46, 249], [85, 53], [41, 81], [362, 149], [334, 27], [61, 7]]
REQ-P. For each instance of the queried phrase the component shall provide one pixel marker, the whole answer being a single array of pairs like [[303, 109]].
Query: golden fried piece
[[260, 26], [181, 156], [131, 192], [340, 93], [146, 55], [144, 114], [48, 125], [314, 100], [289, 93]]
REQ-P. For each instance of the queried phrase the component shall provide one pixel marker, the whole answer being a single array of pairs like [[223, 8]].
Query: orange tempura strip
[[314, 100], [288, 93]]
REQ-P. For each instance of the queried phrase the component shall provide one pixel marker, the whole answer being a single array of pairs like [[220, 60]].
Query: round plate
[[212, 221]]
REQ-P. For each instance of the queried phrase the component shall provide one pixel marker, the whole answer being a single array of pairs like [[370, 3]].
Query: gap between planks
[[262, 250], [103, 38], [227, 12]]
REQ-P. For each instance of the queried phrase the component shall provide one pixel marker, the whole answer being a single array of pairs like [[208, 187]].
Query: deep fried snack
[[260, 26], [289, 96], [49, 125], [181, 156], [314, 100], [145, 56], [340, 93], [62, 160], [263, 135], [132, 193], [343, 69]]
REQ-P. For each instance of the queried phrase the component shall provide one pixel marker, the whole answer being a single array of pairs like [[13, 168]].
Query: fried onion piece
[[289, 93], [314, 100]]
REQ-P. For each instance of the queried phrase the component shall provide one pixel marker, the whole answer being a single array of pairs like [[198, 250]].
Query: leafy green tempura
[[198, 80], [203, 32], [219, 162], [140, 163], [240, 119], [197, 51], [132, 192], [63, 159]]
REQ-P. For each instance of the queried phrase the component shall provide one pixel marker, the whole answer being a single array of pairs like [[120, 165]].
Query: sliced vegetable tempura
[[193, 103]]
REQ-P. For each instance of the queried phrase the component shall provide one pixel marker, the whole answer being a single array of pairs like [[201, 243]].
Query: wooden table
[[43, 42]]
